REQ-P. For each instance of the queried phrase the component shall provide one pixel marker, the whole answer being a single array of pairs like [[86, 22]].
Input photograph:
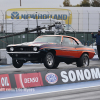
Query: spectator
[[97, 36]]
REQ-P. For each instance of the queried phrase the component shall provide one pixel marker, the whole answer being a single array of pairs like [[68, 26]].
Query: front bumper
[[27, 56], [23, 52]]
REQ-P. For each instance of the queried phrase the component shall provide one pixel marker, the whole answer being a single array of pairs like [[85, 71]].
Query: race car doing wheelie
[[51, 50]]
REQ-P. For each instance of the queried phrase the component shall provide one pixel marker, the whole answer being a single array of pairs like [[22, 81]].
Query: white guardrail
[[5, 58], [96, 52]]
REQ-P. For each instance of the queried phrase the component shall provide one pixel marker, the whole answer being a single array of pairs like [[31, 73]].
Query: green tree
[[85, 3], [78, 5], [95, 3], [66, 3]]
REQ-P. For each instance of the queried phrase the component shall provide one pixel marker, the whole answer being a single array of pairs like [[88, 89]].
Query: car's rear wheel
[[83, 61], [17, 63], [50, 61]]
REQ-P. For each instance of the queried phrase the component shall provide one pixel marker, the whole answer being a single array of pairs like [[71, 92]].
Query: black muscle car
[[51, 50]]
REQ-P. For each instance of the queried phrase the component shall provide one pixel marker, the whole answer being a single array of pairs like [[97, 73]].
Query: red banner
[[5, 82], [28, 80]]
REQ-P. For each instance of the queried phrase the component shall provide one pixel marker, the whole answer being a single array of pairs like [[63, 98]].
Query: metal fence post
[[99, 20], [78, 20], [3, 20], [88, 21], [68, 19], [6, 21]]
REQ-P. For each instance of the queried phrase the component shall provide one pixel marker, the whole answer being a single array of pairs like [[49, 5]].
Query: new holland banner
[[40, 13]]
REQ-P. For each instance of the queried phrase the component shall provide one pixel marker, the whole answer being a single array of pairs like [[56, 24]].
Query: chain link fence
[[81, 22], [84, 37], [77, 20]]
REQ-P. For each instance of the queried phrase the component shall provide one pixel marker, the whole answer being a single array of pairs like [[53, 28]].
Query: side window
[[74, 42], [68, 41]]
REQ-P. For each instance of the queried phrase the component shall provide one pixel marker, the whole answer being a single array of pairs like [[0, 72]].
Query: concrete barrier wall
[[5, 58], [48, 77]]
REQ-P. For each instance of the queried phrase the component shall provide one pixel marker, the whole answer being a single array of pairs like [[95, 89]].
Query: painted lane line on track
[[49, 92], [4, 65], [32, 63], [23, 64], [52, 91]]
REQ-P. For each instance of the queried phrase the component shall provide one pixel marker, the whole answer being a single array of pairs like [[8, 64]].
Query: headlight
[[35, 49], [11, 49]]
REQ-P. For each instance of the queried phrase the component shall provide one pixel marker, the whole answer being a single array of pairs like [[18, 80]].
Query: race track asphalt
[[40, 67], [90, 93]]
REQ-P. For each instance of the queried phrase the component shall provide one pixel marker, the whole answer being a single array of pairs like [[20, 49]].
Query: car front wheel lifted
[[17, 63]]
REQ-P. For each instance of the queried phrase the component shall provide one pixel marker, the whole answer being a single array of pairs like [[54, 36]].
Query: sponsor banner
[[5, 82], [28, 80], [65, 76], [42, 13], [51, 78]]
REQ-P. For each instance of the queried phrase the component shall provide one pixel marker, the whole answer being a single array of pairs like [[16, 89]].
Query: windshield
[[49, 39]]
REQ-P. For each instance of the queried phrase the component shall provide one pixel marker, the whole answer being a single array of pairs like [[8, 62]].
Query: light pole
[[20, 2]]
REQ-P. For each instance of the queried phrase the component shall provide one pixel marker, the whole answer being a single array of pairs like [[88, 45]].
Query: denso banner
[[65, 76], [5, 82], [28, 80]]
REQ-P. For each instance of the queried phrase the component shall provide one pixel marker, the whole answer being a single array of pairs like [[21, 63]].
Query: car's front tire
[[50, 61], [17, 63], [83, 61]]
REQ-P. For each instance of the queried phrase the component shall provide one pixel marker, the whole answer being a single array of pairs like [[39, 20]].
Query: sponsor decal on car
[[5, 82], [51, 78], [28, 80]]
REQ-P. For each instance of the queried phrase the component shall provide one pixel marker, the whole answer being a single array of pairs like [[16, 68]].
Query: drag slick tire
[[17, 63], [50, 61], [83, 61]]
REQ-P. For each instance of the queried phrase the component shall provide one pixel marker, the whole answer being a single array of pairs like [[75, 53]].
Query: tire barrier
[[48, 78]]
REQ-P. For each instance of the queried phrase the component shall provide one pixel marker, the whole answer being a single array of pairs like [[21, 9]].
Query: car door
[[69, 47]]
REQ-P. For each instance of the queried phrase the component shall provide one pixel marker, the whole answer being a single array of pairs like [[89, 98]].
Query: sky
[[34, 3]]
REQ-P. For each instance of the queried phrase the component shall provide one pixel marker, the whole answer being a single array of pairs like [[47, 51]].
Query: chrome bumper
[[23, 52]]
